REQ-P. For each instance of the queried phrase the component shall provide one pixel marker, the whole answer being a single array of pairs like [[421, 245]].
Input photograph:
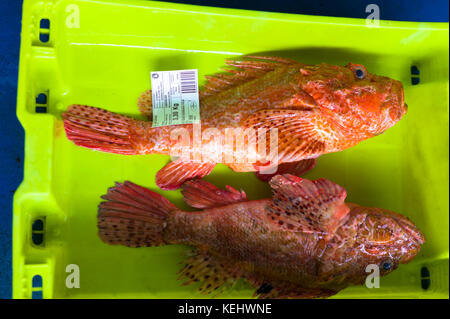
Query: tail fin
[[98, 129], [133, 216]]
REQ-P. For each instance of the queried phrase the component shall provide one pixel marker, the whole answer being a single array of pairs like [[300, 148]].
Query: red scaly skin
[[305, 241], [242, 232]]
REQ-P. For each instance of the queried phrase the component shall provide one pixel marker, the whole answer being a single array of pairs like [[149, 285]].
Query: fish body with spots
[[304, 242], [315, 109]]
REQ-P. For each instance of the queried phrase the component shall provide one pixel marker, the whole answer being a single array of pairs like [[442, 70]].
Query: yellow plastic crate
[[101, 53]]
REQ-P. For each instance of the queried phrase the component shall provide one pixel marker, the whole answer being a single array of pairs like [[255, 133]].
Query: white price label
[[175, 97]]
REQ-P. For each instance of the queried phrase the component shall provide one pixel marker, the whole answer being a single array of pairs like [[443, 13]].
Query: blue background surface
[[12, 135]]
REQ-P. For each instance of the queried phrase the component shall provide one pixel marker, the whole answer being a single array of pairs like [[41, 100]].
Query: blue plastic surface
[[12, 142]]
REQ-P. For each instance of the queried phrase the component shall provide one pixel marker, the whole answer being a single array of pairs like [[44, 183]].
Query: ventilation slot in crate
[[415, 75], [37, 232], [425, 278], [44, 31], [41, 103], [36, 287]]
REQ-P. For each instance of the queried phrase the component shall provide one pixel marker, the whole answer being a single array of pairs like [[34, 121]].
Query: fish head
[[384, 233], [371, 239], [377, 100], [382, 238], [357, 99]]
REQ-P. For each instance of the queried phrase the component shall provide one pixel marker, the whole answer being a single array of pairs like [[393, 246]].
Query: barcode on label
[[175, 97], [188, 82]]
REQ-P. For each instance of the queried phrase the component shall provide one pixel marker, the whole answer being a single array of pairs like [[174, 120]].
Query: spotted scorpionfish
[[316, 109], [304, 242]]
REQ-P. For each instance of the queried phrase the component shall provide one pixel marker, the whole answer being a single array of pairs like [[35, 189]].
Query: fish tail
[[133, 216], [99, 129]]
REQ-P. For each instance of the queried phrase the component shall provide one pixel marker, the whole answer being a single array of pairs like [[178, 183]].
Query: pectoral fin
[[298, 135], [303, 205]]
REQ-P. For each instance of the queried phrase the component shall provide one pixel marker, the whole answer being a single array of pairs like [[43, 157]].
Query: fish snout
[[396, 101], [413, 232], [412, 238], [391, 233]]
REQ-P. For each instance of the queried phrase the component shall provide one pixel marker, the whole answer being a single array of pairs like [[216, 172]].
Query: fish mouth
[[405, 109], [403, 105], [397, 100], [391, 108]]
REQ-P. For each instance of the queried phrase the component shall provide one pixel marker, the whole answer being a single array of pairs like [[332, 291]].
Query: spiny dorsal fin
[[303, 205], [201, 194], [247, 69], [214, 273]]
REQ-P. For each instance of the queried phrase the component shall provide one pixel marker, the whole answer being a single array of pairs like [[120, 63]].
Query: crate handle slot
[[37, 294], [41, 103], [36, 287], [415, 75], [37, 232], [425, 277], [44, 30]]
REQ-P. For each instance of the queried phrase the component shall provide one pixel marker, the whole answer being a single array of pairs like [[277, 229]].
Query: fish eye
[[359, 72], [386, 265]]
